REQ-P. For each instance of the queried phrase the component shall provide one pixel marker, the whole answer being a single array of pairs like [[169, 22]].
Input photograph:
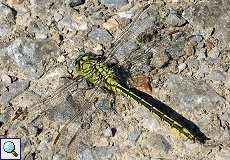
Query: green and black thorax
[[96, 72]]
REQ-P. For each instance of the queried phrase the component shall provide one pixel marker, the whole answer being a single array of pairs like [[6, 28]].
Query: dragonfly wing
[[144, 31], [61, 117], [41, 106]]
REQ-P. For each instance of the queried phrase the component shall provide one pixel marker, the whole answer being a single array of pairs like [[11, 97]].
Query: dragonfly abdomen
[[160, 112], [100, 75]]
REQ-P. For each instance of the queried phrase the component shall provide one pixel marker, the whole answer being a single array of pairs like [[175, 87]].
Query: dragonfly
[[98, 72]]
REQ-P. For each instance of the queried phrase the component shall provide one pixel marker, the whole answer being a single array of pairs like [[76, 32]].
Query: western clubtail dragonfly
[[102, 74]]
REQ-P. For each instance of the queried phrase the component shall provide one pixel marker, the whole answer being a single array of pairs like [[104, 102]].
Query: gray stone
[[114, 3], [224, 121], [93, 153], [206, 15], [107, 132], [201, 53], [149, 23], [214, 53], [203, 69], [14, 89], [150, 123], [192, 94], [39, 28], [58, 157], [75, 3], [103, 152], [175, 20], [4, 117], [125, 50], [65, 110], [5, 11], [196, 39], [85, 152], [223, 156], [148, 120], [104, 105], [125, 14], [181, 67], [216, 75], [134, 135], [200, 45], [30, 55], [86, 155], [193, 64], [155, 81], [176, 50], [44, 9], [101, 36], [156, 142], [70, 23], [7, 20], [6, 79], [58, 16], [136, 157], [159, 59]]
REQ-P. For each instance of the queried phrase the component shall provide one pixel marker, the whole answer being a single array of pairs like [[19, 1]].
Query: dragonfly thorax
[[96, 72]]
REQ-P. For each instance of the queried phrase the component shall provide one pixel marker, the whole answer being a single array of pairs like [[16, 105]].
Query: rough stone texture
[[12, 91], [29, 55], [7, 20], [100, 36], [191, 94], [206, 15], [114, 3]]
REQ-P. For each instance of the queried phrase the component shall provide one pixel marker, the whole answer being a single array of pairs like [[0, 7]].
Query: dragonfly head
[[83, 59]]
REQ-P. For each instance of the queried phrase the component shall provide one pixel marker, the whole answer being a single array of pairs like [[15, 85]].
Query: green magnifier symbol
[[9, 147]]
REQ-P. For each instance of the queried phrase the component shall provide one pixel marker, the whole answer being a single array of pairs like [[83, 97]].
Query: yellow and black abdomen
[[101, 75]]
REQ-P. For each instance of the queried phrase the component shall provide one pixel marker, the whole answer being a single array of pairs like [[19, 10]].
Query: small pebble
[[133, 135], [56, 37], [151, 124], [181, 67], [125, 14], [107, 132], [104, 105], [175, 20], [6, 79], [7, 20], [101, 36], [58, 16], [61, 58], [216, 75], [214, 53], [111, 24], [15, 1], [114, 3], [159, 59], [201, 53], [75, 3]]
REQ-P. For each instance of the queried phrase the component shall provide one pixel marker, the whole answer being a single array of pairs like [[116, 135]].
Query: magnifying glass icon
[[9, 147]]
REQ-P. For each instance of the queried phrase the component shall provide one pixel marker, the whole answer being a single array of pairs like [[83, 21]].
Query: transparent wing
[[52, 123], [60, 92], [143, 33]]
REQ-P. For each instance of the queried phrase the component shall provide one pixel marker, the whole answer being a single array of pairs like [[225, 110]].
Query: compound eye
[[85, 58]]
